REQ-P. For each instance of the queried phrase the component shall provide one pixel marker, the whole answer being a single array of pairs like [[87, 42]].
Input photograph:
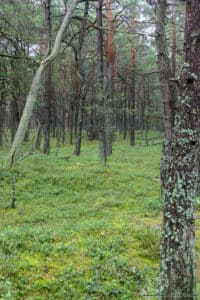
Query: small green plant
[[6, 292], [149, 243]]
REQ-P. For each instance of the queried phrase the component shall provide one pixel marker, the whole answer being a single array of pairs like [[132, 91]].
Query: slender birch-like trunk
[[33, 92]]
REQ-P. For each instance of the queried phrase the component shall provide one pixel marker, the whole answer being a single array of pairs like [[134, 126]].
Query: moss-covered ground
[[81, 230]]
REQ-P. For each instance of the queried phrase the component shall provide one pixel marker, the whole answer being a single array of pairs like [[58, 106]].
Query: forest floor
[[81, 230]]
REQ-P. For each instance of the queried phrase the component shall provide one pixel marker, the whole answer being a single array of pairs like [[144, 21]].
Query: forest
[[99, 149]]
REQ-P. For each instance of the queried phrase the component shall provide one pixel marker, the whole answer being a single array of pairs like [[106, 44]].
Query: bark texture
[[168, 89], [47, 84], [2, 113], [132, 85], [177, 273], [109, 46], [100, 87], [84, 82], [174, 44]]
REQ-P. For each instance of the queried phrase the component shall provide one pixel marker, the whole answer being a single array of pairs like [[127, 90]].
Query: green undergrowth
[[81, 230]]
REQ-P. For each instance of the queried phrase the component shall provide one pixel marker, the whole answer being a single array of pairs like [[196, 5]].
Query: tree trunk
[[38, 136], [33, 92], [2, 113], [47, 84], [132, 86], [101, 100], [84, 82], [125, 121], [65, 6], [109, 111], [109, 46], [14, 117], [168, 88], [174, 40], [80, 118], [71, 122], [177, 273], [92, 128]]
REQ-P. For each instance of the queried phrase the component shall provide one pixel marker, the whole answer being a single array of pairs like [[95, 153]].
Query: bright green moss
[[82, 230]]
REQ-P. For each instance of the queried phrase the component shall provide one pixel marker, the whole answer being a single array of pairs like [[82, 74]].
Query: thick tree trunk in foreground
[[33, 92], [177, 273]]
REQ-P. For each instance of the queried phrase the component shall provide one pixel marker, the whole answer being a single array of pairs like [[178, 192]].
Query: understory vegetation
[[81, 230]]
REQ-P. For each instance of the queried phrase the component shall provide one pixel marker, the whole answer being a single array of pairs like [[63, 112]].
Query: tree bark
[[2, 113], [14, 117], [177, 272], [132, 86], [101, 99], [109, 46], [80, 118], [125, 118], [33, 92], [168, 89], [84, 83], [174, 46], [47, 84], [92, 134]]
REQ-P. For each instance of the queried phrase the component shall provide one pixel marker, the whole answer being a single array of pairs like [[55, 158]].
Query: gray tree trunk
[[33, 92]]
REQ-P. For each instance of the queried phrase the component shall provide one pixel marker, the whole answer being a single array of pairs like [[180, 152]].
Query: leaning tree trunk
[[177, 273], [33, 92]]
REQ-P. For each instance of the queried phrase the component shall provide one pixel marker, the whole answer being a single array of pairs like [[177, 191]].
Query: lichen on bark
[[177, 268]]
